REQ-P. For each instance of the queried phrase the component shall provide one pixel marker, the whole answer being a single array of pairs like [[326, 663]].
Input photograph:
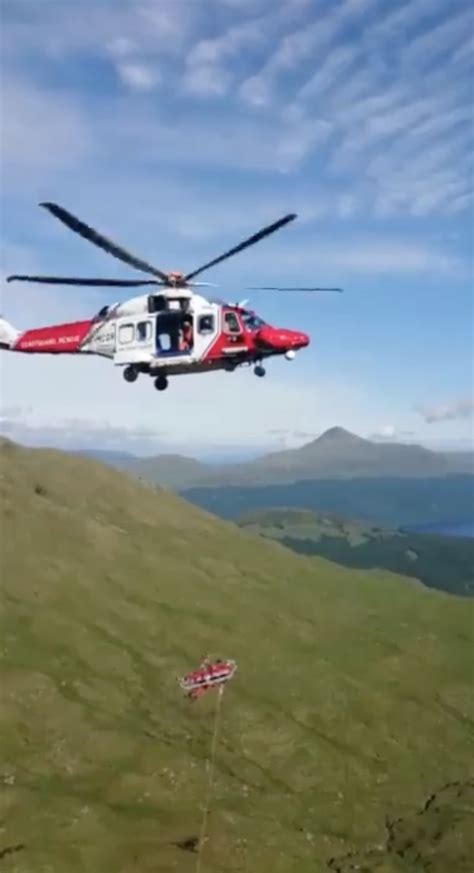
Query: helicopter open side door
[[136, 340]]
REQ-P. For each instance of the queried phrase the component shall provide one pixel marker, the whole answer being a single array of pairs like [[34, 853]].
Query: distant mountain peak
[[339, 434]]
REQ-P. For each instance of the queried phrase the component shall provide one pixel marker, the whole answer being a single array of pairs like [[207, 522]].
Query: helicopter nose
[[300, 340], [281, 339]]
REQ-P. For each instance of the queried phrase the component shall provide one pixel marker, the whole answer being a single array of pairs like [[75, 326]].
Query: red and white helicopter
[[167, 332], [210, 674]]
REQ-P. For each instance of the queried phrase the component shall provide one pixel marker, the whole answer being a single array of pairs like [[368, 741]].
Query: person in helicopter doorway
[[186, 336]]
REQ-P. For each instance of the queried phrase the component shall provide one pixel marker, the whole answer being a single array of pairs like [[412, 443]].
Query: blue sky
[[180, 127]]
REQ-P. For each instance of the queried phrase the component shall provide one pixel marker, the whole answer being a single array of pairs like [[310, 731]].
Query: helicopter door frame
[[169, 324], [135, 339], [236, 339], [206, 329]]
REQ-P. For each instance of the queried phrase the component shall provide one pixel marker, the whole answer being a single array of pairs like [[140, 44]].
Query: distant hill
[[111, 457], [337, 454], [440, 562], [171, 471], [352, 701]]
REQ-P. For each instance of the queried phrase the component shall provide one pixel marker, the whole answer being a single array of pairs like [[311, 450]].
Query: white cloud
[[384, 123], [440, 39], [169, 23], [451, 411], [236, 142], [406, 17], [45, 385], [206, 74], [295, 61], [414, 156], [308, 40], [378, 254], [441, 123], [311, 38], [122, 46], [391, 433], [347, 205], [329, 71], [230, 43], [81, 433], [59, 31], [138, 77], [388, 430], [295, 145], [255, 91], [206, 81]]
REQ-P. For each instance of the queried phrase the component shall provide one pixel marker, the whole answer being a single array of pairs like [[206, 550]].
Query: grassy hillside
[[352, 701], [441, 562], [434, 839], [386, 502]]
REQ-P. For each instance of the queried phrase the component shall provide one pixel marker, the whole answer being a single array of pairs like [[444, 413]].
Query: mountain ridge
[[337, 453]]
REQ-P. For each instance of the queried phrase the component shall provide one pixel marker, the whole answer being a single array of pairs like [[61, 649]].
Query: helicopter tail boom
[[54, 339]]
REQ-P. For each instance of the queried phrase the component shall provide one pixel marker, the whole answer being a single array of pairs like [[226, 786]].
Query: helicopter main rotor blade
[[266, 231], [276, 288], [99, 283], [101, 241]]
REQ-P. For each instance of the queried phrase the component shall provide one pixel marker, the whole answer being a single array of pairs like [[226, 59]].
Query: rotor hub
[[175, 278]]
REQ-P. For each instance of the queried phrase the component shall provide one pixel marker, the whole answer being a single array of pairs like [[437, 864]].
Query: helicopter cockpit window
[[231, 323], [126, 334], [206, 324], [251, 321]]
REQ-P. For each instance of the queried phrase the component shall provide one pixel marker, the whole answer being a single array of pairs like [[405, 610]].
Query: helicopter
[[170, 330]]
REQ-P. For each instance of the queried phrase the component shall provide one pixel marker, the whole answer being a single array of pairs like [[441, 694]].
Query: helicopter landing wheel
[[161, 383], [259, 370], [130, 374]]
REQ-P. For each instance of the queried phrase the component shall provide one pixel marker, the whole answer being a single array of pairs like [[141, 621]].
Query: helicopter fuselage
[[164, 335]]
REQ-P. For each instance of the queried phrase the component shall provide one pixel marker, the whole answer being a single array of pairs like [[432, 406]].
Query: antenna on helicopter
[[275, 288]]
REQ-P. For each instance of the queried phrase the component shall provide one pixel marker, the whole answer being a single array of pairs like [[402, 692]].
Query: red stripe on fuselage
[[64, 338]]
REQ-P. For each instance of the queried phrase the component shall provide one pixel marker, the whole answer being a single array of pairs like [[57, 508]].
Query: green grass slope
[[437, 839], [352, 702], [441, 562]]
